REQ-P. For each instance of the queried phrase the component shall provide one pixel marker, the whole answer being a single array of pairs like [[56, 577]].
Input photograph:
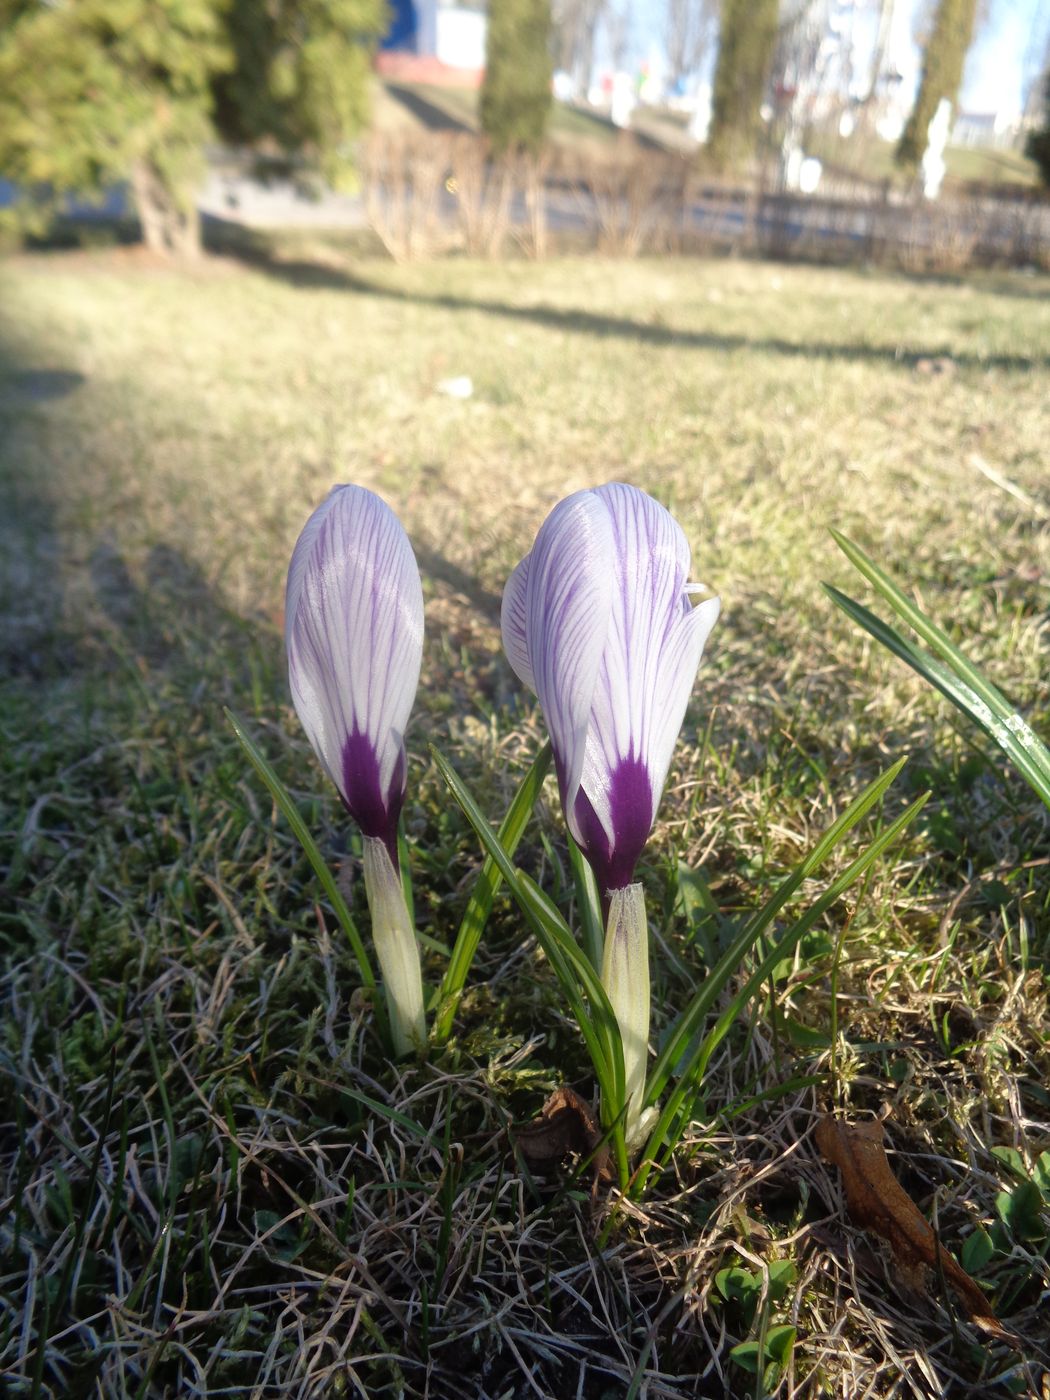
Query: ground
[[215, 1181]]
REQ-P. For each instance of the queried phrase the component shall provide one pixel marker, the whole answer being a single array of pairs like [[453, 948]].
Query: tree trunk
[[878, 55], [943, 60], [747, 38], [170, 226]]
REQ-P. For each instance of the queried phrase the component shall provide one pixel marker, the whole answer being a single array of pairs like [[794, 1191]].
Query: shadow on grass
[[34, 637], [1030, 286], [300, 273], [77, 606], [155, 611], [443, 570], [433, 117], [174, 613], [29, 386], [585, 122]]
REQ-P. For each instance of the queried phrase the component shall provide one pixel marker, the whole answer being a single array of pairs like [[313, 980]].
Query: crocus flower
[[354, 634], [598, 620]]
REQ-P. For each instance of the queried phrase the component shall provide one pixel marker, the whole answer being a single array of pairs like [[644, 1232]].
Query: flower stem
[[396, 948], [625, 977]]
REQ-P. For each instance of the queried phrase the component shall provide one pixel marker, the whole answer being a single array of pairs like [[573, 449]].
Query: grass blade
[[949, 671], [479, 906], [933, 635], [579, 981], [698, 1009], [589, 904], [550, 928], [282, 797], [666, 1131]]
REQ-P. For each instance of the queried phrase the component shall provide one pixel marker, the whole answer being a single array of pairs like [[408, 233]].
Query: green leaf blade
[[283, 798], [951, 673], [482, 896], [718, 976]]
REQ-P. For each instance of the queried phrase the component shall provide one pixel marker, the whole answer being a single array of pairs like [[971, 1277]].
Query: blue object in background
[[110, 203], [404, 26]]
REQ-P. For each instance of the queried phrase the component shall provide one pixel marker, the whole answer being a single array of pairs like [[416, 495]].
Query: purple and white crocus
[[354, 634], [599, 621]]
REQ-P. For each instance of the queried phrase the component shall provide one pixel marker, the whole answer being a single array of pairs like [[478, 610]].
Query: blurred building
[[987, 130], [439, 35]]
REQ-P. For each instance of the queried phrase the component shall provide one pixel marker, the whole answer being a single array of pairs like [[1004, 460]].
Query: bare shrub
[[636, 201], [955, 230], [428, 192], [937, 237], [404, 185], [716, 217], [1022, 233], [483, 186], [533, 172]]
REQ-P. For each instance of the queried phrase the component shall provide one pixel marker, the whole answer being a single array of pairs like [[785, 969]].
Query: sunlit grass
[[265, 1201], [405, 107]]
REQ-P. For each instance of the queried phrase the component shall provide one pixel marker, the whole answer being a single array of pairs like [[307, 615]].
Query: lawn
[[406, 107], [215, 1183], [872, 159]]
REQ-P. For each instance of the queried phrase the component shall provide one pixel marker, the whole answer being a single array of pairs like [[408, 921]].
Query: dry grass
[[214, 1182]]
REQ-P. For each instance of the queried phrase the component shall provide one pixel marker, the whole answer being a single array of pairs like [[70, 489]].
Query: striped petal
[[512, 623], [676, 673], [598, 619], [620, 786], [567, 605], [354, 634]]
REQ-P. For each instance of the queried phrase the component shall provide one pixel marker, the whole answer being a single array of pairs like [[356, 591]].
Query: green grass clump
[[214, 1180]]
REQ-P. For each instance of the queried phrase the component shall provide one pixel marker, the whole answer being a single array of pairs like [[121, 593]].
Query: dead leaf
[[566, 1126], [876, 1200]]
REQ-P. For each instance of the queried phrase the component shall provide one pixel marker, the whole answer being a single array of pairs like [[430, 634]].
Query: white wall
[[460, 37]]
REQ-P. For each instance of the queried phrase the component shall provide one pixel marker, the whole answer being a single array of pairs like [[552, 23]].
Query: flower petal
[[301, 558], [354, 631], [679, 664], [512, 623], [567, 616], [649, 663]]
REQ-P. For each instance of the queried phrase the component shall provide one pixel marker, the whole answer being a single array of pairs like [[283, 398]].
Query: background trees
[[97, 92], [944, 56], [575, 27], [1037, 147], [689, 29], [516, 92], [300, 77], [103, 90], [1037, 103], [747, 36]]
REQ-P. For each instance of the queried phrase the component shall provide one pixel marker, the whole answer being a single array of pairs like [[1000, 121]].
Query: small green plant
[[751, 1298], [1003, 1252], [1021, 1206]]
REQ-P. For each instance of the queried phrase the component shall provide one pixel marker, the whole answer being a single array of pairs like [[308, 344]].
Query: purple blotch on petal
[[374, 813], [631, 809]]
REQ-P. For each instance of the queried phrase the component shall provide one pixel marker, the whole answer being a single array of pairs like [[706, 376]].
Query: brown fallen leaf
[[876, 1200], [566, 1126]]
